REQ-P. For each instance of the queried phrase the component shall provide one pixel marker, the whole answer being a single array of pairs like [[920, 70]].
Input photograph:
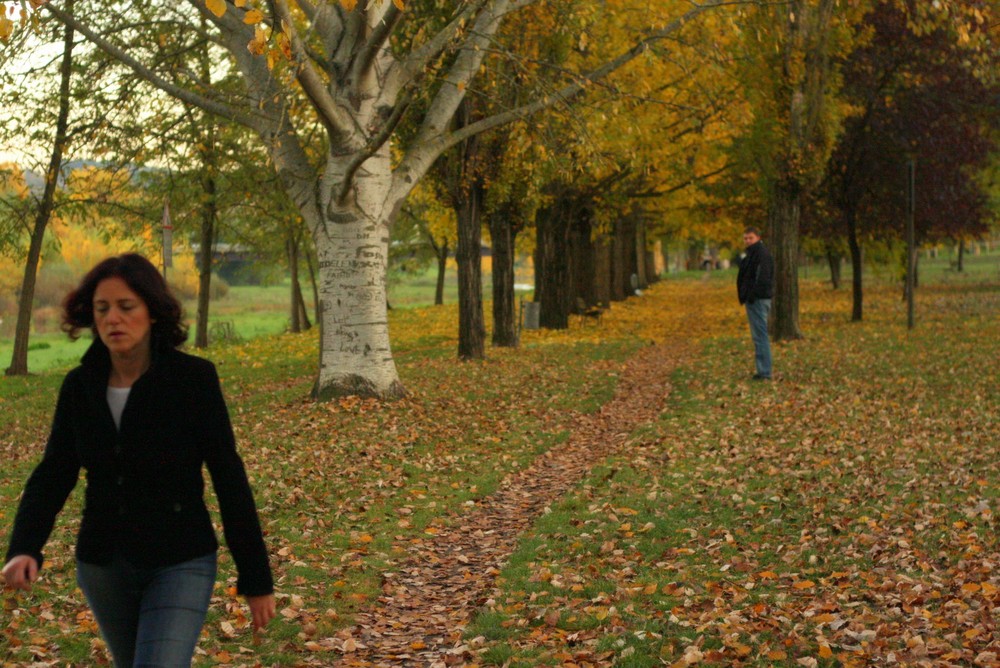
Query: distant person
[[755, 287], [141, 417]]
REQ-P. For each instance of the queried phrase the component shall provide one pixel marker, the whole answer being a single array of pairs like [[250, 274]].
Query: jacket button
[[177, 507]]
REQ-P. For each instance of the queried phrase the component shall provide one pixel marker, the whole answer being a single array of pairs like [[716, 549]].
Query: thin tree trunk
[[295, 297], [19, 358], [833, 259], [209, 210], [312, 281], [209, 213], [856, 269], [471, 322], [961, 255], [442, 267], [304, 324]]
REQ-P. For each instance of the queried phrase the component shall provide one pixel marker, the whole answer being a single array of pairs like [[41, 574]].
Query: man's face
[[749, 239]]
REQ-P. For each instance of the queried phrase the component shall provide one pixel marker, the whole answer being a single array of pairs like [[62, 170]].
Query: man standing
[[755, 287]]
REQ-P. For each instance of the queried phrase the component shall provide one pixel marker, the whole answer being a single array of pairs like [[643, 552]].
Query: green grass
[[338, 484], [749, 508], [809, 479]]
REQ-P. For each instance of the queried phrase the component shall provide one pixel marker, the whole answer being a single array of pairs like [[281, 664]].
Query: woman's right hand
[[20, 571]]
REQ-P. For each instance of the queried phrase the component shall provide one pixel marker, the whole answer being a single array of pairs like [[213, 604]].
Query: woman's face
[[121, 318]]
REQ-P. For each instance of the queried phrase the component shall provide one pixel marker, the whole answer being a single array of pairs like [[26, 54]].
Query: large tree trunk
[[25, 308], [785, 214], [652, 276], [468, 253], [581, 260], [602, 271], [503, 234], [352, 255], [552, 266], [857, 309], [641, 271], [618, 283], [623, 261]]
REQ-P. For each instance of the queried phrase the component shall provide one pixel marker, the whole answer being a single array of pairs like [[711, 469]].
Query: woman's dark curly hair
[[142, 278]]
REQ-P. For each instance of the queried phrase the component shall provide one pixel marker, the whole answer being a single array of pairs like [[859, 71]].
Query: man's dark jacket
[[144, 496], [755, 279]]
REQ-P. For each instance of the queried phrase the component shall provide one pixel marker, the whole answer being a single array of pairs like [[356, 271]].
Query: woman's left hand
[[262, 608]]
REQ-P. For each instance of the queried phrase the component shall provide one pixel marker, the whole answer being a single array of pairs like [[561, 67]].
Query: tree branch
[[372, 146], [339, 124], [416, 63], [209, 104], [570, 91], [381, 33]]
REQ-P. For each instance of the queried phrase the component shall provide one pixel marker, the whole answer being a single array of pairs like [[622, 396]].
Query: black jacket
[[755, 279], [144, 496]]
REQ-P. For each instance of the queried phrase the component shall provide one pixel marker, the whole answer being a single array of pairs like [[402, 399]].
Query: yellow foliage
[[12, 180], [81, 247]]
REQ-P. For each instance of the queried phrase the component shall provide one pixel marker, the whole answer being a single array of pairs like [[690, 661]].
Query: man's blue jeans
[[149, 616], [757, 315]]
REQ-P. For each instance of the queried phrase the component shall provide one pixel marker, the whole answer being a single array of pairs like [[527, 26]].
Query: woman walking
[[141, 418]]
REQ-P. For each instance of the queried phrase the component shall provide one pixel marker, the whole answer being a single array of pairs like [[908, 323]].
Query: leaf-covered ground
[[841, 515]]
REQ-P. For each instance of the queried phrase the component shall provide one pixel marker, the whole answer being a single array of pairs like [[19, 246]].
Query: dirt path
[[427, 603]]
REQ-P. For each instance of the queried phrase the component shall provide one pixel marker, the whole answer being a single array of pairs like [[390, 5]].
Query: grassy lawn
[[841, 514]]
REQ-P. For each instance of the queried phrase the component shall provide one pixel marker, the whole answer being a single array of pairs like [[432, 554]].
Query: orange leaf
[[825, 652], [777, 655], [217, 7], [399, 4], [348, 5], [804, 584], [253, 17]]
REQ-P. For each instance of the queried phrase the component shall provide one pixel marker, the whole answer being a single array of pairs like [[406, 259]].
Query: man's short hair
[[751, 230]]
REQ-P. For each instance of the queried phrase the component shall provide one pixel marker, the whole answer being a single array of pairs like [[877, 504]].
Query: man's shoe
[[757, 376]]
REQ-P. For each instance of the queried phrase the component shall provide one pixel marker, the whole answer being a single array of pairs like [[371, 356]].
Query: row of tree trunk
[[575, 267]]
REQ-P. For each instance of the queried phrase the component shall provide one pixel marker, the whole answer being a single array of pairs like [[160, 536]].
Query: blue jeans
[[757, 315], [149, 616]]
